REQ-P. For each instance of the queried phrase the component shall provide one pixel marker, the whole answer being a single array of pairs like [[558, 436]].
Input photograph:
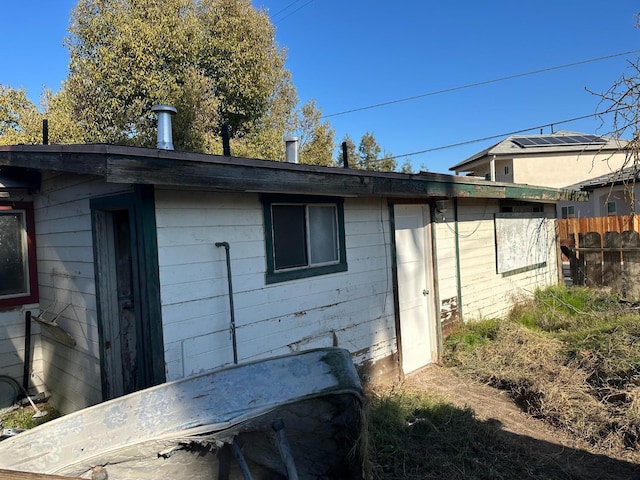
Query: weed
[[569, 356]]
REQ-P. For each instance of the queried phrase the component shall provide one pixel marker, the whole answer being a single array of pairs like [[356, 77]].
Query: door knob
[[425, 292]]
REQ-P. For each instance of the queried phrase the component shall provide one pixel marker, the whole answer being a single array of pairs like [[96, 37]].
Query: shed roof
[[135, 165], [626, 175], [509, 147]]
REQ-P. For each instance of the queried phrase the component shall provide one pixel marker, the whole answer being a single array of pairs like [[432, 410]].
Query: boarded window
[[521, 241]]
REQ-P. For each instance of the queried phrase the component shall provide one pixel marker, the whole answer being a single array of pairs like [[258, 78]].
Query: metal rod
[[246, 473], [233, 316], [285, 449], [27, 350]]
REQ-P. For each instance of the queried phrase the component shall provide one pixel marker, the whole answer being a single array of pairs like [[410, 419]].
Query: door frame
[[140, 205], [431, 278]]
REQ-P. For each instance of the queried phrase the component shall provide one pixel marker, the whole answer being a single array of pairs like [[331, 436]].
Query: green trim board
[[273, 274]]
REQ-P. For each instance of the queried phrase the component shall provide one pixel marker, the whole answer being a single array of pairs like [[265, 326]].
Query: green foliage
[[368, 156], [570, 356], [471, 336], [23, 417], [20, 121], [214, 60], [316, 137]]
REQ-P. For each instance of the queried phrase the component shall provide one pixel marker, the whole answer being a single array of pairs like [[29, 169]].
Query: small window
[[304, 237], [18, 278], [506, 169], [568, 211], [611, 208]]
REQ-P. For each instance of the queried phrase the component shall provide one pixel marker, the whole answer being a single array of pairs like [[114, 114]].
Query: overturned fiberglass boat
[[289, 417]]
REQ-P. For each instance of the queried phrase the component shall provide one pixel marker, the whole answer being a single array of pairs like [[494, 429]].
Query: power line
[[291, 13], [492, 137], [284, 9], [477, 84]]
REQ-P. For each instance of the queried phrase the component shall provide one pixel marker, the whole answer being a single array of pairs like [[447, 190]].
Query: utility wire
[[492, 137], [284, 9], [477, 84], [291, 13]]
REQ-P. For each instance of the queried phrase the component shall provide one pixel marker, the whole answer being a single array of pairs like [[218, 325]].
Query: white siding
[[352, 309], [485, 293], [67, 287], [12, 351]]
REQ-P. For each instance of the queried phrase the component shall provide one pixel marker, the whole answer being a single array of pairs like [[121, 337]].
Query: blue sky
[[349, 55]]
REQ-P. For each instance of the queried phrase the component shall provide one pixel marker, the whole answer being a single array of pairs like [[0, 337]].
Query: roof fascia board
[[132, 165]]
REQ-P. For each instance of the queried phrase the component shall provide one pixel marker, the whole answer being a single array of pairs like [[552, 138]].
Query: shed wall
[[484, 292], [67, 286], [352, 309]]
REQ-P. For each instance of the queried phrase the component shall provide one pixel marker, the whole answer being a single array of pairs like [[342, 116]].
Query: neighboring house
[[610, 194], [555, 160], [120, 254]]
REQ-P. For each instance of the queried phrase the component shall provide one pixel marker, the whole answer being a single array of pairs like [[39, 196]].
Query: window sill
[[277, 277]]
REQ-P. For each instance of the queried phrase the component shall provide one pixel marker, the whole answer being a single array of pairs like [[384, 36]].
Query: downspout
[[458, 269], [27, 350]]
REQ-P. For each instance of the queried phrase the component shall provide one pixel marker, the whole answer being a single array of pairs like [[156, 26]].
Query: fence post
[[592, 259], [631, 259], [611, 266]]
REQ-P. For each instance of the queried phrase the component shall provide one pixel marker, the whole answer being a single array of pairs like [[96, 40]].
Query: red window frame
[[32, 296]]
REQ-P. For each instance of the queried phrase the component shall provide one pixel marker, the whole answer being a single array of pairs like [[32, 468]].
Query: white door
[[417, 326]]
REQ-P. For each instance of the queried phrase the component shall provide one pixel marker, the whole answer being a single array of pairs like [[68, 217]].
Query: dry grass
[[570, 357]]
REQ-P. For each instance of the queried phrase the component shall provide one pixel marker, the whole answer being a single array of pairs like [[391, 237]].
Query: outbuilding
[[139, 266]]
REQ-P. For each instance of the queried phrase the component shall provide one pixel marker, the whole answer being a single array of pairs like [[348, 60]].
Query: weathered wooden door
[[130, 326], [413, 267]]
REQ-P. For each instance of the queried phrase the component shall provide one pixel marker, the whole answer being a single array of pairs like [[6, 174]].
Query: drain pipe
[[27, 350], [233, 317]]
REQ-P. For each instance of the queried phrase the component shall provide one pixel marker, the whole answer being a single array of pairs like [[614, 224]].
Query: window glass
[[323, 234], [611, 208], [304, 236], [13, 256], [289, 236]]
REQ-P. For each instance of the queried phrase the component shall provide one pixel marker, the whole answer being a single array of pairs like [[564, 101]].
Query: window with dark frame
[[304, 236], [568, 211], [18, 277]]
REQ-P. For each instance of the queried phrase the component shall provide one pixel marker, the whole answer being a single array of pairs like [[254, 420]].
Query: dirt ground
[[575, 459]]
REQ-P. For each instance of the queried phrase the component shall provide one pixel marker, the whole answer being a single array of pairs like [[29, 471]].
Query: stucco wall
[[352, 309], [564, 170]]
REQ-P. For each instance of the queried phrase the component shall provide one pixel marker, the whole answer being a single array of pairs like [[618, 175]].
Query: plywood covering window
[[304, 236], [18, 277]]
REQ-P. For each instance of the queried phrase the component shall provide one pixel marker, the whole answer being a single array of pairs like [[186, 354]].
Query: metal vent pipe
[[165, 136], [291, 149]]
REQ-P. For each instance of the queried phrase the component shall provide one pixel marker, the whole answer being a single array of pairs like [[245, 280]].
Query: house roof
[[134, 165], [510, 147], [626, 175]]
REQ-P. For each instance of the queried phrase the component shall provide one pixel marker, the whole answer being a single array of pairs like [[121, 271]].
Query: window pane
[[13, 276], [289, 236], [323, 234]]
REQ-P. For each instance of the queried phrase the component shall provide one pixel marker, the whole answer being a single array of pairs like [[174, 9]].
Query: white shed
[[153, 265]]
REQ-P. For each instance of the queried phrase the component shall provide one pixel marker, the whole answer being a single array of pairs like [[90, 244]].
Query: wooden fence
[[603, 252]]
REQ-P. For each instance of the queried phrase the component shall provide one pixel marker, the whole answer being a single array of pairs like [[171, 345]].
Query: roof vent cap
[[165, 136]]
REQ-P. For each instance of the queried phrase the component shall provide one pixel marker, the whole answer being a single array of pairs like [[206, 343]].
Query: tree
[[214, 60], [352, 153], [370, 158], [316, 137], [406, 167], [20, 120]]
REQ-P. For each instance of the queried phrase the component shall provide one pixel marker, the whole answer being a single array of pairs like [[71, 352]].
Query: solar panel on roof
[[552, 140]]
